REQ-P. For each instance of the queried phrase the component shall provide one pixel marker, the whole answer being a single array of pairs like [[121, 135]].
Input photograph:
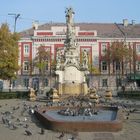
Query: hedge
[[129, 94], [14, 95]]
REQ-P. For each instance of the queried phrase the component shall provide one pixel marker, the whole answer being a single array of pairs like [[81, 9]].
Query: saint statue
[[70, 38], [69, 15], [85, 59], [58, 58]]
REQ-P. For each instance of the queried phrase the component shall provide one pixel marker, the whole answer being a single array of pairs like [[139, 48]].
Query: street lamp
[[16, 16]]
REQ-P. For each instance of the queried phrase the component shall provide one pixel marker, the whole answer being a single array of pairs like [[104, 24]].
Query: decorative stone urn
[[32, 95], [93, 95], [108, 94], [55, 95]]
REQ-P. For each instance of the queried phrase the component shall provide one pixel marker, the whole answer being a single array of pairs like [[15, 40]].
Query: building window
[[104, 66], [103, 48], [118, 82], [117, 65], [35, 83], [104, 83], [26, 49], [138, 66], [138, 48], [26, 82], [26, 66]]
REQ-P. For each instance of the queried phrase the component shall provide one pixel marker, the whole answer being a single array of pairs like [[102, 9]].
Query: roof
[[104, 30], [131, 31]]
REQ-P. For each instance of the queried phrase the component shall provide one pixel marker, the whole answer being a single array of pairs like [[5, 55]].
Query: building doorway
[[35, 83]]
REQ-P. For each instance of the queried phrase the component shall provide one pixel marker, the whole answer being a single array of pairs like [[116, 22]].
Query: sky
[[46, 11]]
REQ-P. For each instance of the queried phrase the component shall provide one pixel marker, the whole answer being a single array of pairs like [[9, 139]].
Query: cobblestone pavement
[[131, 127]]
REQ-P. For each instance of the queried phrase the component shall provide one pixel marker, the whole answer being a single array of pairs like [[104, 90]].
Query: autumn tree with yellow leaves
[[8, 53]]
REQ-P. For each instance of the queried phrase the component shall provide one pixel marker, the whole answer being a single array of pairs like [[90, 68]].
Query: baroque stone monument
[[70, 70]]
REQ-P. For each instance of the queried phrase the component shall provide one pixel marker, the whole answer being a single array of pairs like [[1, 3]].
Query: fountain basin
[[108, 119]]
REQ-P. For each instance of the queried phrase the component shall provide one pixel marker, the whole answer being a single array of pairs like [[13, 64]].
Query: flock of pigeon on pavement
[[9, 119]]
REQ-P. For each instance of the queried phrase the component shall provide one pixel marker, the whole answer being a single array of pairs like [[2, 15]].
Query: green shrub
[[14, 95], [129, 94], [22, 94]]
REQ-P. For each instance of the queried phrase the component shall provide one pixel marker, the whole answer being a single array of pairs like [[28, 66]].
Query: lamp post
[[16, 16], [117, 80]]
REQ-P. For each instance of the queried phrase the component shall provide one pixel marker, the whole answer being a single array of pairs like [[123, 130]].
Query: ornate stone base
[[73, 88]]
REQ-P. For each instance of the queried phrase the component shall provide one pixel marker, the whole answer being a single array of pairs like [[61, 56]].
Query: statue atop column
[[70, 36], [69, 15], [70, 72]]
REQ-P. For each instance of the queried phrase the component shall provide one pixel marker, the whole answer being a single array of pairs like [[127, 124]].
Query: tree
[[8, 53], [121, 57], [41, 61], [93, 69], [118, 53]]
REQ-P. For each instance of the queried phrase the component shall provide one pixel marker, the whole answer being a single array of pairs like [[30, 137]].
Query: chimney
[[133, 22], [125, 22], [35, 25]]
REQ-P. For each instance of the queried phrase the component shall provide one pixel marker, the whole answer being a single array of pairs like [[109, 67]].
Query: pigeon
[[72, 138], [61, 135], [26, 126], [133, 110], [25, 119], [3, 120], [42, 131], [13, 127], [28, 133]]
